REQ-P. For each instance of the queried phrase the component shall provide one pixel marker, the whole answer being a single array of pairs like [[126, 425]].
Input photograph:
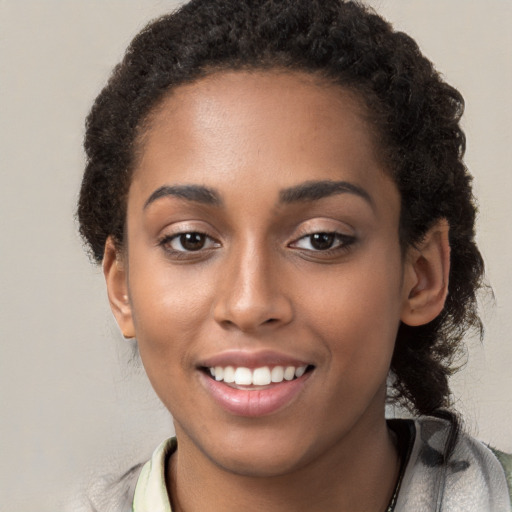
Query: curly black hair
[[415, 113]]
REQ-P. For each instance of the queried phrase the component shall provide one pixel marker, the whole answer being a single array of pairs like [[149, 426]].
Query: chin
[[269, 464], [264, 452]]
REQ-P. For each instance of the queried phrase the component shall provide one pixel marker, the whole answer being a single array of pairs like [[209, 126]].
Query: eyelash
[[166, 241], [342, 243]]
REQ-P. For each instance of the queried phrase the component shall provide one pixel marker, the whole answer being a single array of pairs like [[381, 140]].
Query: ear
[[426, 275], [115, 272]]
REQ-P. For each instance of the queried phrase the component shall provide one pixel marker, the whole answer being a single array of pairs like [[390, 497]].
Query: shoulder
[[108, 493], [141, 488], [468, 477], [505, 460]]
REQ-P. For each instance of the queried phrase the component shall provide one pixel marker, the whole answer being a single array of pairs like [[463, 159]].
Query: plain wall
[[75, 400]]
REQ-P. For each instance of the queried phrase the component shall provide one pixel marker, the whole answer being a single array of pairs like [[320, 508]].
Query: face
[[262, 274]]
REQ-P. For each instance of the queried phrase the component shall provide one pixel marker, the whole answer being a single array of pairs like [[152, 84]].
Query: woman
[[277, 195]]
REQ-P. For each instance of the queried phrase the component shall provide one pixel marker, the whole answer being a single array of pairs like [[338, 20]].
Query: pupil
[[322, 241], [192, 241]]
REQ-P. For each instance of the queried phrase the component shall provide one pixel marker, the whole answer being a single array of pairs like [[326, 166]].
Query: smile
[[263, 376], [251, 387]]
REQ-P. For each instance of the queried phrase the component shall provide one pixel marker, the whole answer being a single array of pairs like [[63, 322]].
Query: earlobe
[[114, 270], [426, 276]]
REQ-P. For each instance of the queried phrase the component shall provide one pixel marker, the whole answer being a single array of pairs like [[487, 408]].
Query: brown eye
[[322, 241], [192, 241]]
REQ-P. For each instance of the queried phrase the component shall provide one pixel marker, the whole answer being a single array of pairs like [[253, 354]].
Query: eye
[[324, 241], [188, 242]]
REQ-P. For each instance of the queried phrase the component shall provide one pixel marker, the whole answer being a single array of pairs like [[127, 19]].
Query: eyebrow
[[314, 190], [196, 193], [308, 191]]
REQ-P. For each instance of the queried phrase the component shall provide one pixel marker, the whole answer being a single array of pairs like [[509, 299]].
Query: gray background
[[75, 401]]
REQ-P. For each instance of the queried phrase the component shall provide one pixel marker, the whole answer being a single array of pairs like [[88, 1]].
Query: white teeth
[[277, 374], [262, 376], [243, 376], [229, 374], [299, 372], [219, 373], [289, 373]]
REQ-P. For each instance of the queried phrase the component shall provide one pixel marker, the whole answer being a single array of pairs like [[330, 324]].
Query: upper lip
[[249, 359]]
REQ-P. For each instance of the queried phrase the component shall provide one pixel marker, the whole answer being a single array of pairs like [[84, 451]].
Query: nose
[[250, 295]]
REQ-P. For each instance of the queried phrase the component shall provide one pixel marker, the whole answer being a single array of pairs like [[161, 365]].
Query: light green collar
[[151, 492]]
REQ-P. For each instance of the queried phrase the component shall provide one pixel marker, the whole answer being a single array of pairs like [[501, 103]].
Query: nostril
[[228, 324]]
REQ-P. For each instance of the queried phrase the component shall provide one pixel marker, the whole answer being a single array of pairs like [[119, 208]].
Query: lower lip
[[257, 402]]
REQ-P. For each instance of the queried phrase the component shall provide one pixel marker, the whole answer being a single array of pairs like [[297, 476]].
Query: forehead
[[241, 126]]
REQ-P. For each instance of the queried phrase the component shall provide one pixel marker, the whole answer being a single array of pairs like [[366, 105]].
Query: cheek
[[356, 311], [167, 308], [160, 290]]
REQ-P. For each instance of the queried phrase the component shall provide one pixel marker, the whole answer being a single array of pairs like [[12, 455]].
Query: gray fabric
[[472, 480], [109, 493]]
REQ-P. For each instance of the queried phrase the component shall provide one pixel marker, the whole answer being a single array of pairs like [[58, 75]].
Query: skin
[[259, 284]]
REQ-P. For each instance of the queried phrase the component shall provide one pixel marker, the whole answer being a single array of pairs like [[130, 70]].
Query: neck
[[358, 473]]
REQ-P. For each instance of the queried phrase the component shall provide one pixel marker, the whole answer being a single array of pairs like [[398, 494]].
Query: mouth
[[241, 377], [254, 385]]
